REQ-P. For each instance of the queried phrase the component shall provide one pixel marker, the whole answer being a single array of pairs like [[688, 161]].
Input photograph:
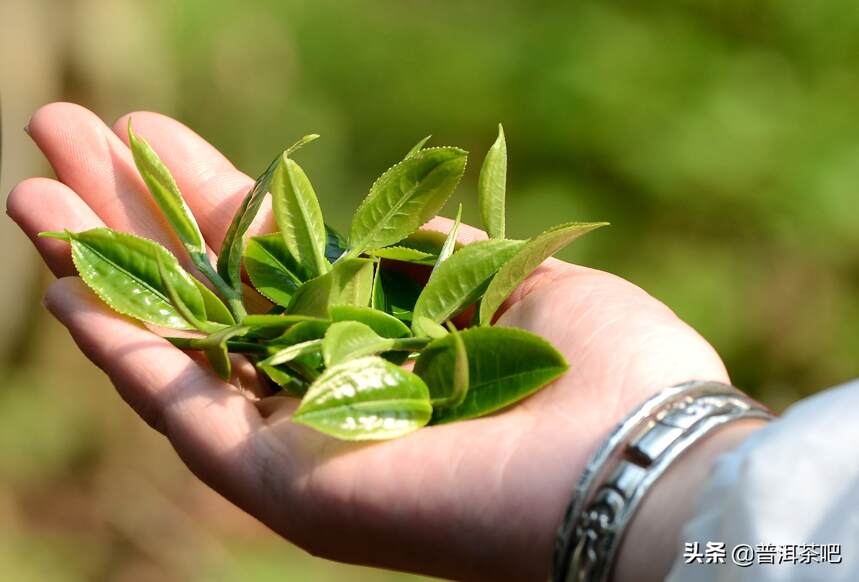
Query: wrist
[[653, 537], [691, 423]]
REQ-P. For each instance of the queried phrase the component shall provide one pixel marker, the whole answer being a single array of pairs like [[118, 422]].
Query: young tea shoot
[[344, 316]]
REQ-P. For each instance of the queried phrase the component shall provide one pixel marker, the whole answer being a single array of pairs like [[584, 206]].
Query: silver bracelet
[[622, 471]]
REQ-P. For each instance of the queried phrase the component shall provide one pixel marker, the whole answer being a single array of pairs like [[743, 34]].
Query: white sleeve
[[790, 493]]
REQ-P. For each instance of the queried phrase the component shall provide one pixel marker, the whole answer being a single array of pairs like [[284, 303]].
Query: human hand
[[470, 500]]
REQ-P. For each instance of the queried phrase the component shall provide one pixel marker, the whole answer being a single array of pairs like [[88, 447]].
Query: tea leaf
[[299, 217], [405, 254], [123, 271], [349, 282], [459, 281], [460, 379], [166, 193], [272, 269], [286, 379], [346, 340], [427, 241], [450, 242], [504, 366], [492, 186], [335, 244], [365, 399], [401, 293], [215, 309], [405, 197], [230, 257], [418, 146], [292, 352], [528, 258], [383, 324], [215, 348], [430, 328], [266, 325], [377, 297], [176, 300]]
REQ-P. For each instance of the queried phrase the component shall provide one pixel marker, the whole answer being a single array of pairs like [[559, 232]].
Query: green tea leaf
[[459, 380], [215, 348], [123, 271], [418, 146], [461, 280], [299, 217], [405, 197], [349, 282], [504, 366], [230, 257], [347, 340], [427, 241], [430, 328], [166, 193], [528, 258], [383, 324], [492, 186], [215, 309], [404, 254], [292, 352], [401, 293], [335, 244], [286, 379], [377, 297], [272, 269], [270, 326], [450, 242], [365, 399]]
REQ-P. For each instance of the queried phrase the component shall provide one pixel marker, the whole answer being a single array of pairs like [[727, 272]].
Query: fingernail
[[27, 130]]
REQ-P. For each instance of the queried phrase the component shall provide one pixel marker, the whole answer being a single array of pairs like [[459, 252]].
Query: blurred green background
[[721, 139]]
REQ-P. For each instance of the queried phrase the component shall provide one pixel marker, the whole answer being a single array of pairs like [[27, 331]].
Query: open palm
[[471, 500]]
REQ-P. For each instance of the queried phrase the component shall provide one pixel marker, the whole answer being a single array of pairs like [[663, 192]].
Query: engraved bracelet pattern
[[634, 456]]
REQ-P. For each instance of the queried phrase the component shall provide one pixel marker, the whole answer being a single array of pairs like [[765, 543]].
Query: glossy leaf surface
[[528, 258], [459, 281], [450, 242], [299, 216], [347, 340], [492, 187], [405, 254], [365, 399], [383, 324], [215, 309], [405, 197], [292, 352], [216, 350], [504, 366], [418, 146], [230, 256], [272, 269], [349, 282], [123, 271], [166, 193]]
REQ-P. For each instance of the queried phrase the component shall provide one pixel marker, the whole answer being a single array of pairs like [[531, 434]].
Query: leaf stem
[[232, 296], [198, 343]]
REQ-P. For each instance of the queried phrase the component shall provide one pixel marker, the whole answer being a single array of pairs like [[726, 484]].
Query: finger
[[40, 204], [88, 157], [465, 234], [208, 423], [211, 185]]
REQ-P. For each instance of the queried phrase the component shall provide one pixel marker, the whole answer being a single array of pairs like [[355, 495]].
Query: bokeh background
[[721, 140]]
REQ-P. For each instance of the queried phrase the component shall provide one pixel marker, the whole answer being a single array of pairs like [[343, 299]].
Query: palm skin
[[471, 500]]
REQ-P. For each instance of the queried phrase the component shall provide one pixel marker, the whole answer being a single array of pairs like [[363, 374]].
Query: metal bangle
[[624, 468]]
